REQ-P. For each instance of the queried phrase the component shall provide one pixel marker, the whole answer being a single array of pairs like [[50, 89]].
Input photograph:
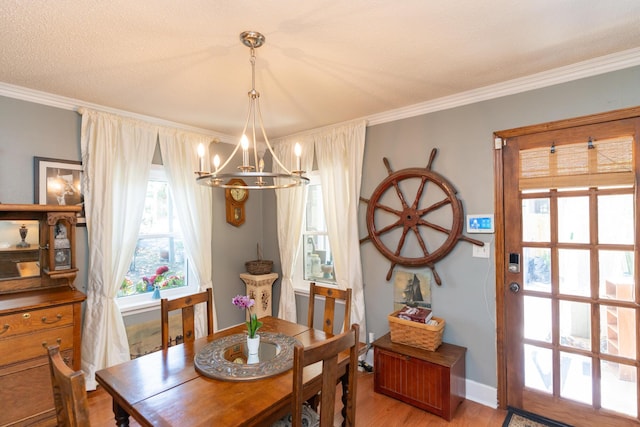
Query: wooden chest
[[430, 380], [29, 321]]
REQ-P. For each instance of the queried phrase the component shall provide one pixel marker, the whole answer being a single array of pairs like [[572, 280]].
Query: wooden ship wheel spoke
[[411, 219]]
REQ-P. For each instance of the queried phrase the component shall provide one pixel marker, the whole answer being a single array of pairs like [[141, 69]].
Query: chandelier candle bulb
[[216, 162], [298, 152], [245, 150], [201, 156]]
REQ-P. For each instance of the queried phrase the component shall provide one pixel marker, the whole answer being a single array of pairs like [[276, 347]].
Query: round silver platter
[[226, 357]]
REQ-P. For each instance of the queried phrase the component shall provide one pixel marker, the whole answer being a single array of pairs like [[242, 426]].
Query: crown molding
[[593, 67], [51, 100], [604, 64]]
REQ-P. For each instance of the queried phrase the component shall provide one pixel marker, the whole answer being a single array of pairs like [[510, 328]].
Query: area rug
[[520, 418]]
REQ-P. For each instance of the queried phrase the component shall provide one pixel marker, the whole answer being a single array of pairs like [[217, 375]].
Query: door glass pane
[[575, 324], [537, 318], [618, 331], [616, 275], [573, 219], [538, 368], [619, 388], [574, 268], [535, 220], [615, 219], [575, 377], [536, 264]]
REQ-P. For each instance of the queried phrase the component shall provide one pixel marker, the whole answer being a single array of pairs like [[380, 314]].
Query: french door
[[568, 295]]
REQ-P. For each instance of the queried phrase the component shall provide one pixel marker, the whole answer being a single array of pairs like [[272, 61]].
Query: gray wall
[[463, 137], [28, 129]]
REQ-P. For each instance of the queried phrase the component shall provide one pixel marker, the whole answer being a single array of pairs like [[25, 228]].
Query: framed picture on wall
[[58, 182]]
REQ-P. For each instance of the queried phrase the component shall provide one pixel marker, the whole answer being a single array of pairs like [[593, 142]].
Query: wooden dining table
[[164, 388]]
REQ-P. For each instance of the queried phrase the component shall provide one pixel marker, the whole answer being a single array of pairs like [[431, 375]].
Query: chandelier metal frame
[[255, 174]]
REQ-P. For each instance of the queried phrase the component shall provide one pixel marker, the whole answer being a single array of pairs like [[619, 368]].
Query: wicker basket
[[428, 337], [259, 266]]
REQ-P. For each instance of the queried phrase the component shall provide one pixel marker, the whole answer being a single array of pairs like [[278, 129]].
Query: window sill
[[143, 303]]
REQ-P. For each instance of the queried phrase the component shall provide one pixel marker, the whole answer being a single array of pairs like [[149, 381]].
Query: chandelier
[[251, 172]]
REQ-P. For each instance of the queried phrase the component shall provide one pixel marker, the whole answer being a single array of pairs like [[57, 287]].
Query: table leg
[[121, 416]]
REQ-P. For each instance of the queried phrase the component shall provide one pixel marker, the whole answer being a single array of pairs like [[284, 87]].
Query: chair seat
[[310, 418]]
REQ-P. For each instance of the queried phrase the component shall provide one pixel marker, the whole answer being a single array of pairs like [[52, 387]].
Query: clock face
[[238, 194]]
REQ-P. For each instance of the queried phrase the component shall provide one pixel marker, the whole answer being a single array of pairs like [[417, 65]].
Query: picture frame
[[58, 182]]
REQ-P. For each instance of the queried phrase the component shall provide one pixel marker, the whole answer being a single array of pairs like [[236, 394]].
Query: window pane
[[618, 331], [315, 221], [619, 388], [538, 368], [574, 265], [575, 377], [615, 219], [535, 220], [575, 324], [159, 258], [573, 219], [616, 275], [318, 260], [537, 318], [537, 269]]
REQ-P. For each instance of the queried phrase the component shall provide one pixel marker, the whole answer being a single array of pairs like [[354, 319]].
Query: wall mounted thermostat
[[480, 223]]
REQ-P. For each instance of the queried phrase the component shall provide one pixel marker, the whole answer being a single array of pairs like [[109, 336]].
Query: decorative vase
[[156, 293], [253, 345]]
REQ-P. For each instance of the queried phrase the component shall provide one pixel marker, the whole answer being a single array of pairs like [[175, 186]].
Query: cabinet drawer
[[23, 347], [35, 320]]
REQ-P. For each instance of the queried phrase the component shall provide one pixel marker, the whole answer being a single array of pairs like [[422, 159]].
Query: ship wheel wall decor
[[435, 227]]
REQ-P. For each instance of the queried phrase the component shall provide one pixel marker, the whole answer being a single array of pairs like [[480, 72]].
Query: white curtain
[[193, 204], [116, 157], [290, 203], [339, 153]]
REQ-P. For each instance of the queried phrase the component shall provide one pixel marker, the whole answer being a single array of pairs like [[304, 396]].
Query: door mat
[[519, 418]]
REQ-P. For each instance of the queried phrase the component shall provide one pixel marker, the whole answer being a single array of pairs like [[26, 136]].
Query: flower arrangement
[[244, 302], [157, 279]]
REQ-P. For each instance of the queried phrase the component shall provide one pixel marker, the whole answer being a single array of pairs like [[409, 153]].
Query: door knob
[[514, 287]]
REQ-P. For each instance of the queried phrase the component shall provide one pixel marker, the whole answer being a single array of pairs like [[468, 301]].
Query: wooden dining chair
[[187, 305], [327, 353], [69, 392], [331, 295]]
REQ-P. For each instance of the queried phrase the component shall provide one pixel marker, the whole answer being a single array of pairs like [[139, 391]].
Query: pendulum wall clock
[[235, 199]]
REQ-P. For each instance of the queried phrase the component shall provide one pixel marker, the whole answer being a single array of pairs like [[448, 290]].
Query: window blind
[[609, 163]]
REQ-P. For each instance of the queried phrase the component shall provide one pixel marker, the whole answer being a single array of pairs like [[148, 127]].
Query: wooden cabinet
[[38, 308], [430, 380]]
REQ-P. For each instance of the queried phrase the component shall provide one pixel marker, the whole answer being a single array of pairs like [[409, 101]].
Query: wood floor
[[373, 410]]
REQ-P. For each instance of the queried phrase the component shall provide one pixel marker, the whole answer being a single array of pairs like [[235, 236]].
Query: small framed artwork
[[58, 182], [412, 289]]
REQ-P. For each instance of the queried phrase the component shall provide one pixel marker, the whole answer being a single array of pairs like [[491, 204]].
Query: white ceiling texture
[[324, 61]]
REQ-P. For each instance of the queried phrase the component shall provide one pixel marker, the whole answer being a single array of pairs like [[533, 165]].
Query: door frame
[[500, 139]]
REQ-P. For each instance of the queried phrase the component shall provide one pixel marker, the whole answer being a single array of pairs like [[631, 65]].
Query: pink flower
[[243, 301], [162, 269]]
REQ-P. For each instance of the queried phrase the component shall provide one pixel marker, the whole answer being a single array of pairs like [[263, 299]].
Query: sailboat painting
[[412, 289]]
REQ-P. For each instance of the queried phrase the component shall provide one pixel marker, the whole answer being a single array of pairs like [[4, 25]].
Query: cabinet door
[[413, 381], [26, 393]]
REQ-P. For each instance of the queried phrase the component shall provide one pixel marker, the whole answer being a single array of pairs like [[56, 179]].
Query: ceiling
[[324, 61]]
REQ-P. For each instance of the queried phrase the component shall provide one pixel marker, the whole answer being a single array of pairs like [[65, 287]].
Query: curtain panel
[[290, 203], [116, 157], [194, 206], [339, 153]]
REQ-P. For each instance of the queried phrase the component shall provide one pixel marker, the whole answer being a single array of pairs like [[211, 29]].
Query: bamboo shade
[[608, 163]]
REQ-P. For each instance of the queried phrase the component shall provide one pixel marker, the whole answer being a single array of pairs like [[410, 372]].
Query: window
[[159, 259], [315, 260]]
